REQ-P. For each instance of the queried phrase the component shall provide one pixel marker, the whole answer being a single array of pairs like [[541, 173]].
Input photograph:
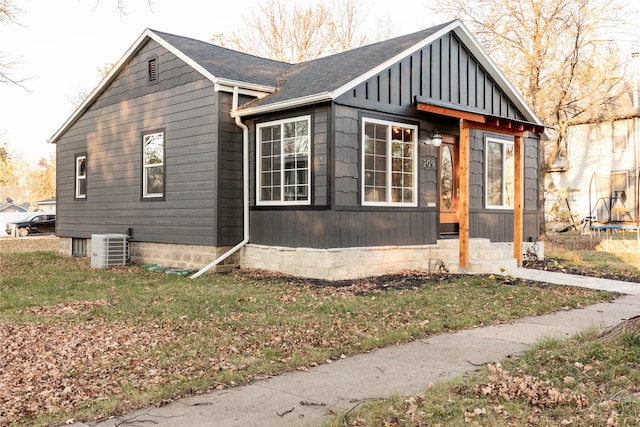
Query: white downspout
[[245, 192]]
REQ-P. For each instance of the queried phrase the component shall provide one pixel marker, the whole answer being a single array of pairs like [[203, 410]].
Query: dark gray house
[[383, 158]]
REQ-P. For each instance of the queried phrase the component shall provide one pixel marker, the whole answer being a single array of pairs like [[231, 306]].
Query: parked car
[[38, 223]]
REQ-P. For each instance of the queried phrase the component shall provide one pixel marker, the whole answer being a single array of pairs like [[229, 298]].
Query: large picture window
[[500, 184], [81, 176], [153, 165], [389, 163], [283, 172]]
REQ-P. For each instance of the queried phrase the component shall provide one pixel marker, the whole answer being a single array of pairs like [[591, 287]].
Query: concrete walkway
[[308, 398]]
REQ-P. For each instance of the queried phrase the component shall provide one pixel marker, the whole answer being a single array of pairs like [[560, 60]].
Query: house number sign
[[428, 163]]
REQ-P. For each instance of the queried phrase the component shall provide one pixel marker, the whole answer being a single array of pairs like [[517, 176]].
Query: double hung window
[[283, 152], [81, 177], [500, 175], [389, 158], [153, 165]]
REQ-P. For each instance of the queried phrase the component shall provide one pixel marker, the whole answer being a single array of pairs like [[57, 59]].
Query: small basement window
[[153, 70], [79, 247]]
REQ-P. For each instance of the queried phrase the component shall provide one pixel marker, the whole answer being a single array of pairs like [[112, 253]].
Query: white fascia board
[[293, 103], [258, 91]]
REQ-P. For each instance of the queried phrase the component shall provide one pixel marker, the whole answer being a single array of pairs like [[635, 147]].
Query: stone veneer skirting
[[331, 264], [353, 263]]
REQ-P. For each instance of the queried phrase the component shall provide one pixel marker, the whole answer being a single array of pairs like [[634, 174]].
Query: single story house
[[397, 155], [11, 208]]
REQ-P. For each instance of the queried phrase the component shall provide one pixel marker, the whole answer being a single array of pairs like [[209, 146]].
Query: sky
[[60, 45]]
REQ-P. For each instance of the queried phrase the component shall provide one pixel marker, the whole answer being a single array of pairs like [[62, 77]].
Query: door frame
[[449, 218]]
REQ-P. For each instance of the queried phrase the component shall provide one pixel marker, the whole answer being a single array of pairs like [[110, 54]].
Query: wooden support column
[[518, 200], [463, 201]]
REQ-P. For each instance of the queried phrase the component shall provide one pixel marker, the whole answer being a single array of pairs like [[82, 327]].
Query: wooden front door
[[449, 191]]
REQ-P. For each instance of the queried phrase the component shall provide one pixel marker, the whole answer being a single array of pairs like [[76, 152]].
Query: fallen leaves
[[57, 366], [503, 385]]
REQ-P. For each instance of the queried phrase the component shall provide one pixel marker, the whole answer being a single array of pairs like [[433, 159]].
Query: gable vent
[[153, 70]]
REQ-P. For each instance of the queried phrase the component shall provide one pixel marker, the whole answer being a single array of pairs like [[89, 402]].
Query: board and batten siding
[[443, 70], [184, 105]]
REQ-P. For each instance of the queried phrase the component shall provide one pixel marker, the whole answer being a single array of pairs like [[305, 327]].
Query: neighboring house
[[597, 170], [10, 213], [11, 208], [386, 157], [48, 205]]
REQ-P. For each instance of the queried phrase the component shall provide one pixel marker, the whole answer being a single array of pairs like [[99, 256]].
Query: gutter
[[245, 191]]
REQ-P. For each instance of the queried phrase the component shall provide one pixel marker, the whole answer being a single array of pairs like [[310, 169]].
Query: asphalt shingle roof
[[317, 76], [226, 63]]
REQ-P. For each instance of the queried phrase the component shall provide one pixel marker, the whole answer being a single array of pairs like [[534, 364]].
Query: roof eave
[[284, 105]]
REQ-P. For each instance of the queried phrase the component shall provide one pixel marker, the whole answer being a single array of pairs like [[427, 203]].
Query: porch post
[[463, 201], [518, 200]]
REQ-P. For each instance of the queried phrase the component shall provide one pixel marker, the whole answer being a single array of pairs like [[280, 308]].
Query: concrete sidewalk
[[308, 398]]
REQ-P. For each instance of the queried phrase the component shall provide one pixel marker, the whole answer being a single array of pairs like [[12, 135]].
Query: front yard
[[85, 343]]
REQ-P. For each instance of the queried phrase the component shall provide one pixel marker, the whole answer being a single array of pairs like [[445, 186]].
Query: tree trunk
[[631, 325]]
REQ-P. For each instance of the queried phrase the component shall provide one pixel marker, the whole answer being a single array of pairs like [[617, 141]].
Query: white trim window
[[153, 165], [81, 177], [283, 153], [500, 176], [389, 159]]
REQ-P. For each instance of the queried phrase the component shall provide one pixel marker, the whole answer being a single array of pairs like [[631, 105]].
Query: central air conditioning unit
[[109, 250]]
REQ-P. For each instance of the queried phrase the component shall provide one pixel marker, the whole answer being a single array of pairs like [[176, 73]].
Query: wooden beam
[[463, 201], [518, 201], [449, 112], [497, 129]]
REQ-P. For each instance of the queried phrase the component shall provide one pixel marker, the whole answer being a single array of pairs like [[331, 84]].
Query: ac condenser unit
[[109, 250]]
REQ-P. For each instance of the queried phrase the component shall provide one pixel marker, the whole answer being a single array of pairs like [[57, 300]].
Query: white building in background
[[596, 172]]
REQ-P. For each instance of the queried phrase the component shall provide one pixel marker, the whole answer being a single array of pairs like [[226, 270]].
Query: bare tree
[[8, 14], [564, 56], [293, 33]]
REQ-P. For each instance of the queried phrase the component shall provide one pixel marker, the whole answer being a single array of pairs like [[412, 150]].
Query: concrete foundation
[[332, 264], [188, 257], [352, 263]]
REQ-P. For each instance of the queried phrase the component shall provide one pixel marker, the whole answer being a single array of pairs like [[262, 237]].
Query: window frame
[[503, 142], [388, 164], [144, 184], [77, 194], [282, 202]]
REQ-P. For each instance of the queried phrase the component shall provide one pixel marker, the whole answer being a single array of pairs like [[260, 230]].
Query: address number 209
[[428, 163]]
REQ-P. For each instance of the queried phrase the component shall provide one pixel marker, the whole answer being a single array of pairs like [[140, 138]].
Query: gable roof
[[10, 207], [278, 85]]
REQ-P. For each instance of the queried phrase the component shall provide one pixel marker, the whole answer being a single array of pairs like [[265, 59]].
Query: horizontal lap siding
[[184, 105]]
